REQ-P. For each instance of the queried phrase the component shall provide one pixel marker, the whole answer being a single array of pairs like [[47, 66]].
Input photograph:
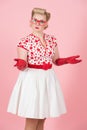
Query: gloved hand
[[21, 64], [71, 60]]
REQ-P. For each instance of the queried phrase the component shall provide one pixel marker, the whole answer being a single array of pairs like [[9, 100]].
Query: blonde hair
[[42, 12]]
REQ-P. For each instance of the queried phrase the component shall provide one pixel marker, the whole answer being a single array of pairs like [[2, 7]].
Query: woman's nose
[[38, 23]]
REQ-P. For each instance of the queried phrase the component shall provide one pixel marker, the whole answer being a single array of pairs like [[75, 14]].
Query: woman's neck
[[38, 34]]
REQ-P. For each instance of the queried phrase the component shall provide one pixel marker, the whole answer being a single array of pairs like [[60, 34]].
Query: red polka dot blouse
[[37, 53]]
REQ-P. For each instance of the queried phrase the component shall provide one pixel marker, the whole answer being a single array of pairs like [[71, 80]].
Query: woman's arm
[[61, 61], [22, 58], [22, 53], [56, 55]]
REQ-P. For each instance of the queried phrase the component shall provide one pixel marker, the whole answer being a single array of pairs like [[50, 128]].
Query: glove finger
[[74, 57], [75, 61], [79, 60], [15, 59], [15, 65], [77, 56]]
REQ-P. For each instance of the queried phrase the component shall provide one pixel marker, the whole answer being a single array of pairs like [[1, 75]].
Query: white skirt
[[37, 94]]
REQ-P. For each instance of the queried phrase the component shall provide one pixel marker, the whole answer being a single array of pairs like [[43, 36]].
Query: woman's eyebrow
[[40, 19]]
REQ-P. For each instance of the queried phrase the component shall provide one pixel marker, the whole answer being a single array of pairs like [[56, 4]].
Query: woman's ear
[[46, 27]]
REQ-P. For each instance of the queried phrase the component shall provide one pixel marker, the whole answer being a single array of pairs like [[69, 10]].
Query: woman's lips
[[37, 27]]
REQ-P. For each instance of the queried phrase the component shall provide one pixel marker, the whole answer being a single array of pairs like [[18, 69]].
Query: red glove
[[21, 64], [71, 60]]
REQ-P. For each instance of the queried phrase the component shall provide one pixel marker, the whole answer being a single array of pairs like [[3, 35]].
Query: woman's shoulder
[[24, 42], [50, 36], [25, 39]]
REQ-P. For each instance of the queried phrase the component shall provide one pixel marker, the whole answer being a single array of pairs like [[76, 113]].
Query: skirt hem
[[55, 116]]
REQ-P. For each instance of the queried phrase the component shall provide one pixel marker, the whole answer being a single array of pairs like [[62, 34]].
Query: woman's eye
[[42, 21], [34, 20]]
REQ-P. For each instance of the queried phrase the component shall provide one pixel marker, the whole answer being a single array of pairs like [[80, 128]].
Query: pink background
[[68, 24]]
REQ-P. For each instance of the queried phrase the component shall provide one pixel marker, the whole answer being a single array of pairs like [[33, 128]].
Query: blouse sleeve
[[23, 43], [54, 41]]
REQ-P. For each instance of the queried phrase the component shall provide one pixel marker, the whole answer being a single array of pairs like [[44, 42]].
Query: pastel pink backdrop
[[68, 24]]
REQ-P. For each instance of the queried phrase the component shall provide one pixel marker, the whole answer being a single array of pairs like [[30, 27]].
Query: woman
[[37, 94]]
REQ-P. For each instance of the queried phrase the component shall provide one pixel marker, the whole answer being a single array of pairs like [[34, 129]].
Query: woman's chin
[[37, 30]]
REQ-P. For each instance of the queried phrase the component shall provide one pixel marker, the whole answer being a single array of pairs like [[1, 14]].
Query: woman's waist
[[44, 66]]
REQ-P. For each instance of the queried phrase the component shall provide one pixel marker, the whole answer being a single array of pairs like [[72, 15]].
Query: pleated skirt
[[37, 94]]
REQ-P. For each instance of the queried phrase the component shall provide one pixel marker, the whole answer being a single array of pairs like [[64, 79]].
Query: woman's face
[[38, 22]]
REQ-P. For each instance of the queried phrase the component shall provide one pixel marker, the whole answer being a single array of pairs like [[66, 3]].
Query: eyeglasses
[[35, 21]]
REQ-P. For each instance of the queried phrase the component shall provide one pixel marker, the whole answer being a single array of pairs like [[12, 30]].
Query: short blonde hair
[[42, 12]]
